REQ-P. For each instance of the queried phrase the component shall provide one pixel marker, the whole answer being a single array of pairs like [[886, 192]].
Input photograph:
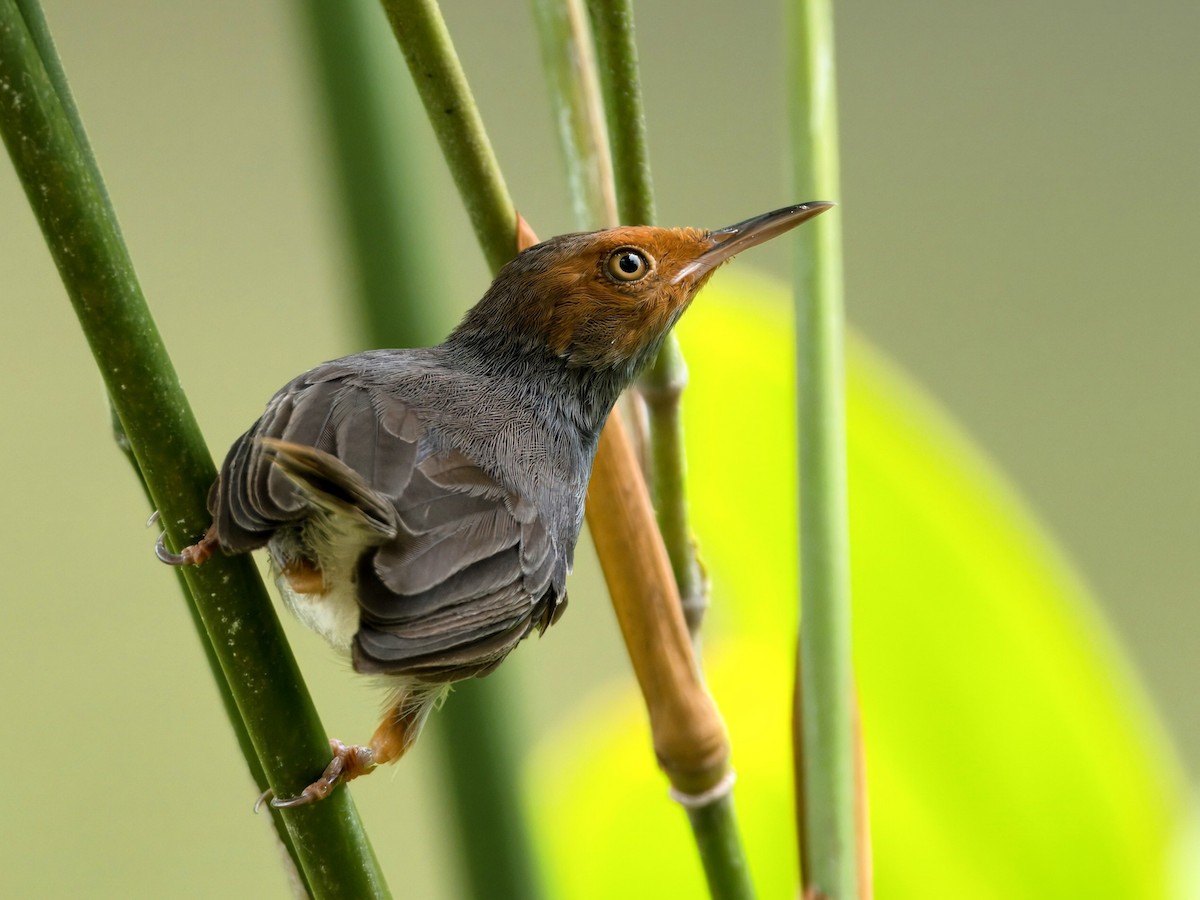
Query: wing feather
[[472, 568]]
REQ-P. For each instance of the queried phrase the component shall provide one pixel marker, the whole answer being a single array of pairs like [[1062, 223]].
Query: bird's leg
[[192, 555], [395, 734]]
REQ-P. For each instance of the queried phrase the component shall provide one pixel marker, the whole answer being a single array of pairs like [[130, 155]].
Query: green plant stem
[[482, 765], [616, 52], [570, 64], [403, 300], [824, 697], [379, 172], [662, 386], [715, 829], [438, 76], [714, 825], [39, 33], [234, 716], [84, 239], [663, 382], [465, 143]]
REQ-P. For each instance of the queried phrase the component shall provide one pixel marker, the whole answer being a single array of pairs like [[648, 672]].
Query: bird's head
[[606, 299]]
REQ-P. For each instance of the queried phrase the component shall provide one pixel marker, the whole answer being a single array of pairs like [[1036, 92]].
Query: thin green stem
[[465, 151], [824, 696], [662, 384], [715, 829], [85, 241], [714, 825], [403, 298], [438, 76], [570, 63], [616, 51]]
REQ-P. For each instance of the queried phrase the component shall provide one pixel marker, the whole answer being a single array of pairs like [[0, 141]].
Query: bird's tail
[[332, 487]]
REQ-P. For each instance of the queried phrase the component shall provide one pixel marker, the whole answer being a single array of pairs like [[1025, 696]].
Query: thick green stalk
[[245, 745], [714, 823], [85, 241], [824, 696], [39, 33], [438, 76], [404, 304], [379, 172], [483, 769], [662, 384]]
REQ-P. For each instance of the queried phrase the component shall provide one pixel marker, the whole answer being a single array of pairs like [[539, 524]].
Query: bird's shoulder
[[499, 417]]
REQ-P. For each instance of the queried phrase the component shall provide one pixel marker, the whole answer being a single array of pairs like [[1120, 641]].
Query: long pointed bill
[[727, 242]]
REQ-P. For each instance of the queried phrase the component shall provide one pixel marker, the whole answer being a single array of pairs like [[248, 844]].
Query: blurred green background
[[1019, 184]]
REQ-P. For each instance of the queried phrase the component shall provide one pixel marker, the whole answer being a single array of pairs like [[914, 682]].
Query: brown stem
[[689, 735]]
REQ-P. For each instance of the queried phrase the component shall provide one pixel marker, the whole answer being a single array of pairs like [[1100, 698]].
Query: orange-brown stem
[[690, 740]]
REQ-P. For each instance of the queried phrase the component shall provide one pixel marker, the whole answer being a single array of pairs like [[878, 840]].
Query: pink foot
[[348, 763], [192, 555]]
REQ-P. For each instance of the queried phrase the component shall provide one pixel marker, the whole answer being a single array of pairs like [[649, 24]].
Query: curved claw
[[153, 518], [301, 799], [192, 555], [161, 551], [349, 762], [323, 786], [261, 799]]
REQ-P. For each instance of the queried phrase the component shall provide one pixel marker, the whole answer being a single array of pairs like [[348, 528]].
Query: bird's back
[[437, 504]]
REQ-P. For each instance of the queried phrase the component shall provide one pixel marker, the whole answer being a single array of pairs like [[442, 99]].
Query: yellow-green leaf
[[1010, 753]]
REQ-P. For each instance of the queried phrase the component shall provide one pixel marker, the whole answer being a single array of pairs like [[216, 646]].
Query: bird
[[420, 507]]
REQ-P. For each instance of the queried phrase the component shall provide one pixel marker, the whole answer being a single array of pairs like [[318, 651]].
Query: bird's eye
[[628, 265]]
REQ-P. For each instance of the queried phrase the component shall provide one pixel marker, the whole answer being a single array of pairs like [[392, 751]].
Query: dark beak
[[727, 242]]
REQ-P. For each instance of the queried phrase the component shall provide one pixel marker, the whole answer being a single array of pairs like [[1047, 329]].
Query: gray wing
[[471, 569]]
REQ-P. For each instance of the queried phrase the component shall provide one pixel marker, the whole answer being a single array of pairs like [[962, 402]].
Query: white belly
[[333, 615], [334, 612]]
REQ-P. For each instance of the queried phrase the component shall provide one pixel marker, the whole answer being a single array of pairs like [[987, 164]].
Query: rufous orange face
[[613, 293], [607, 298]]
